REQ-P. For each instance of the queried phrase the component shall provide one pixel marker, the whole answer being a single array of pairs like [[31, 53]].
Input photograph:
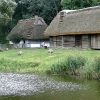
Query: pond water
[[43, 87]]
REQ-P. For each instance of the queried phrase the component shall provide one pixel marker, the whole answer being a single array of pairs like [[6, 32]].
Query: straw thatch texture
[[30, 29], [83, 21]]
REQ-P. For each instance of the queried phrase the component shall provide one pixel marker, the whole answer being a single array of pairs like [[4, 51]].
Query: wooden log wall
[[59, 41], [69, 41], [95, 41], [98, 41], [51, 42], [56, 41], [86, 41]]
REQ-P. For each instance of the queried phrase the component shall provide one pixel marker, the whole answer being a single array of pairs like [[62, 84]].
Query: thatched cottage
[[32, 31], [79, 28]]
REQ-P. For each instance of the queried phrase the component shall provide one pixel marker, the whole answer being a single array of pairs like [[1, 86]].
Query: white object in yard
[[35, 45], [50, 51], [20, 53]]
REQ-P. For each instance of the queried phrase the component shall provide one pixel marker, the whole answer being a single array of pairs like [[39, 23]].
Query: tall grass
[[70, 65], [14, 65], [97, 66], [75, 63]]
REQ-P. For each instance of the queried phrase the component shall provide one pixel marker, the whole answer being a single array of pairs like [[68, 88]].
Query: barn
[[75, 28]]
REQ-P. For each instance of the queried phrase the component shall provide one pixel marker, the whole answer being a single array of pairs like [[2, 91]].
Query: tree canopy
[[6, 11], [46, 9], [77, 4]]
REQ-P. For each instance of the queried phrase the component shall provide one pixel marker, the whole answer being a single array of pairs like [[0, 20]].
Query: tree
[[6, 11], [16, 38], [78, 4], [46, 9]]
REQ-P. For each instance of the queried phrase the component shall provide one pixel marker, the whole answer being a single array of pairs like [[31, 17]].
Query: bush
[[16, 38]]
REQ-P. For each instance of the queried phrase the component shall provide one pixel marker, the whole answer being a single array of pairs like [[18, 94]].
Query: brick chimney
[[61, 18], [36, 16]]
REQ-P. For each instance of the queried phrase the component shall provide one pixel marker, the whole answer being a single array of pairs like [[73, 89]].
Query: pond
[[47, 87]]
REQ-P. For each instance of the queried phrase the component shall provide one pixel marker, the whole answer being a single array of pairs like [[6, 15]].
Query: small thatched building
[[79, 28], [32, 31]]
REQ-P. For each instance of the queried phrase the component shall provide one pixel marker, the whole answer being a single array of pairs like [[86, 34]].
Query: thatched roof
[[32, 28], [82, 21]]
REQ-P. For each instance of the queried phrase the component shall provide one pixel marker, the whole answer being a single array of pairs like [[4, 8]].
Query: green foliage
[[7, 64], [6, 11], [75, 62], [97, 64], [34, 64], [57, 68], [47, 9], [16, 38], [88, 70], [4, 30], [77, 4], [69, 65], [92, 68]]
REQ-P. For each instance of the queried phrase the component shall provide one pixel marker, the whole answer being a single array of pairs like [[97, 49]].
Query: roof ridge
[[80, 10], [29, 20]]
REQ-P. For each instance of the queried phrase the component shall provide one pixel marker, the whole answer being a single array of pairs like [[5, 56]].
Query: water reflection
[[37, 87]]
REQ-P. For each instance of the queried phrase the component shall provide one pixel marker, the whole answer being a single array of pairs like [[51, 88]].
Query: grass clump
[[75, 63], [70, 65], [88, 70], [92, 68], [33, 64], [14, 65], [97, 66], [57, 68]]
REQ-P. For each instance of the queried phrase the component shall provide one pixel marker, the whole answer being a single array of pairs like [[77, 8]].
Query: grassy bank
[[75, 62]]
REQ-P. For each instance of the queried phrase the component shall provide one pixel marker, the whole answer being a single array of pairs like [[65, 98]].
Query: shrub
[[16, 38]]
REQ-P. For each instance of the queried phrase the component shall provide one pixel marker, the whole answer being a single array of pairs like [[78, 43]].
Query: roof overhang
[[73, 33]]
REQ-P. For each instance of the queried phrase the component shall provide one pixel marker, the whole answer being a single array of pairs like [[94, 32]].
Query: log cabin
[[75, 28]]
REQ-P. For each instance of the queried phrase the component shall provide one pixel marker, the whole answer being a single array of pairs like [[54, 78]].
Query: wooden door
[[78, 40]]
